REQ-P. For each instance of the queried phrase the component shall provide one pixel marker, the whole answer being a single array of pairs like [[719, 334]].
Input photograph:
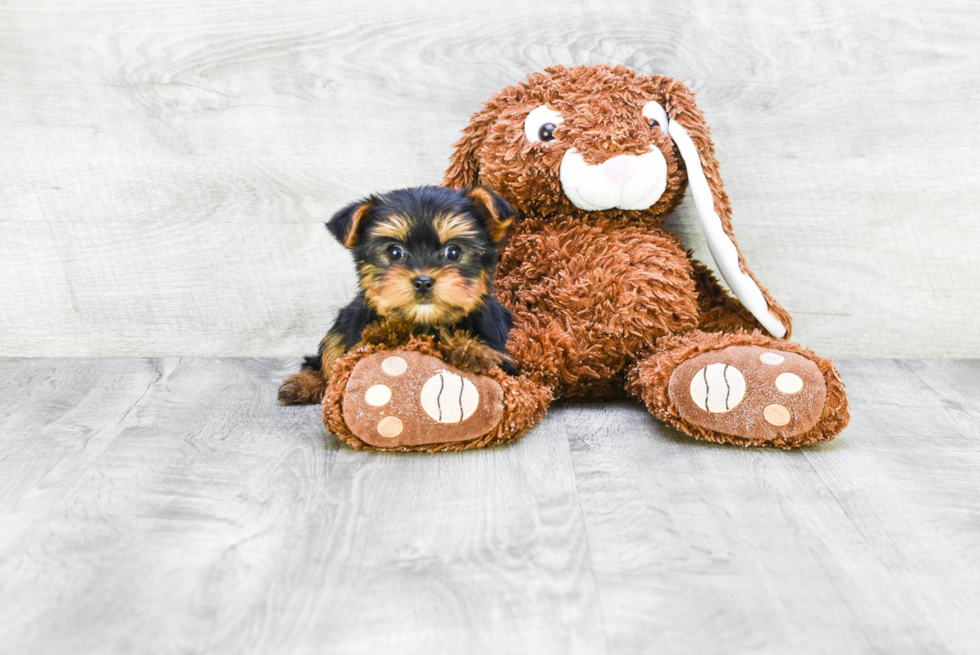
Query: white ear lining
[[722, 248], [653, 110]]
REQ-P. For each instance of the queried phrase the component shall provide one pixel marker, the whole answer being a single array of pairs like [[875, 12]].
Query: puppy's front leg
[[309, 385]]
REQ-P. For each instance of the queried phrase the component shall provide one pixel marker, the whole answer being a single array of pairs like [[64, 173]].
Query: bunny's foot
[[745, 388], [408, 399]]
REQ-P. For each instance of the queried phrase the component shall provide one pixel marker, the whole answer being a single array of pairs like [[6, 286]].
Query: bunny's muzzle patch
[[631, 182]]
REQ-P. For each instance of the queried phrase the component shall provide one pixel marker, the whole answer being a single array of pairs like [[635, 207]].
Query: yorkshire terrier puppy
[[425, 256]]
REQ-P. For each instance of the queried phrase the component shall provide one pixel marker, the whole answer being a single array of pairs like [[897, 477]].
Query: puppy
[[424, 256]]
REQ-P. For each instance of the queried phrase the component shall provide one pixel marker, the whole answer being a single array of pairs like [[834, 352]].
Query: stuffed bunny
[[605, 301]]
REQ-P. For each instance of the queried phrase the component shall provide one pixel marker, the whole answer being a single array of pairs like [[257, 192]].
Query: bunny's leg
[[417, 393], [744, 388], [718, 311]]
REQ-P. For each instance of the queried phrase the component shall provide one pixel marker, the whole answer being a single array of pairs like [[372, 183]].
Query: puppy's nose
[[423, 283], [620, 169]]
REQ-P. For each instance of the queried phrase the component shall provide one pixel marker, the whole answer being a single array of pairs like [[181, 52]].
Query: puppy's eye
[[394, 252], [540, 124], [656, 115], [453, 253]]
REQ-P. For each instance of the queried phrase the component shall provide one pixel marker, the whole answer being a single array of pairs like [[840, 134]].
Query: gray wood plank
[[56, 418], [216, 521], [913, 490], [173, 506], [866, 544], [167, 164]]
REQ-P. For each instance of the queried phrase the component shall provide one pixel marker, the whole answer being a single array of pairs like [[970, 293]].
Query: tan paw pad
[[377, 395], [390, 427], [394, 365], [776, 414], [789, 382], [449, 398], [771, 358], [718, 388]]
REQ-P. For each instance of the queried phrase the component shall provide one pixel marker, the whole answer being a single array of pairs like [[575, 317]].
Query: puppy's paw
[[303, 388], [509, 367]]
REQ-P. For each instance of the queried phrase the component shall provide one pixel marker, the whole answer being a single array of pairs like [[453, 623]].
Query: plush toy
[[605, 302]]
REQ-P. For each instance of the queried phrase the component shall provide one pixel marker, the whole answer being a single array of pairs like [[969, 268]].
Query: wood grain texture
[[172, 506], [865, 544], [209, 519], [167, 165]]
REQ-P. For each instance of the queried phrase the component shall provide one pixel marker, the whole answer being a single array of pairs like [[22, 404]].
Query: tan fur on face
[[392, 291], [453, 226], [370, 275], [457, 296], [452, 297], [392, 227]]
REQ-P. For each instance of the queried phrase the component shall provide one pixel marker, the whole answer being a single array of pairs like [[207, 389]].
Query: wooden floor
[[172, 506]]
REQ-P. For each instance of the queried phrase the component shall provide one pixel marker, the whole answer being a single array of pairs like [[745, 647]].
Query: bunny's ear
[[345, 224], [687, 128], [464, 166]]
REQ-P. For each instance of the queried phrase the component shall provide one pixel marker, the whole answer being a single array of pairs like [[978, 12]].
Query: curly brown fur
[[602, 113], [649, 380], [456, 347], [525, 402], [593, 291], [587, 298], [717, 311]]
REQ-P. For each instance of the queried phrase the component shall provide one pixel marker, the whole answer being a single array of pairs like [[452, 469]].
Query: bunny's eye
[[656, 115], [540, 124]]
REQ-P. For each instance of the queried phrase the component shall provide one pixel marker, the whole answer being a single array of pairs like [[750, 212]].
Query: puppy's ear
[[495, 212], [464, 164], [345, 224], [690, 134]]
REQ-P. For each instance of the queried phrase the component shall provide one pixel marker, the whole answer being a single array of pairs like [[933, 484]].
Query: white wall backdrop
[[166, 165]]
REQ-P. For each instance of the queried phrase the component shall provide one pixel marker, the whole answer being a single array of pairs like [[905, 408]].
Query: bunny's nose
[[620, 170], [423, 283]]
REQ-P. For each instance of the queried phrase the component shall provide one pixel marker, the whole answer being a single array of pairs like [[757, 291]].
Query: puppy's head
[[425, 255]]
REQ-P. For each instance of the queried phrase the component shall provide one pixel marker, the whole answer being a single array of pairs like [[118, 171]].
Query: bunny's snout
[[632, 182]]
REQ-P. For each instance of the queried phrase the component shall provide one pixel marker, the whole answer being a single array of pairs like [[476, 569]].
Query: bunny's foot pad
[[751, 392], [400, 398]]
